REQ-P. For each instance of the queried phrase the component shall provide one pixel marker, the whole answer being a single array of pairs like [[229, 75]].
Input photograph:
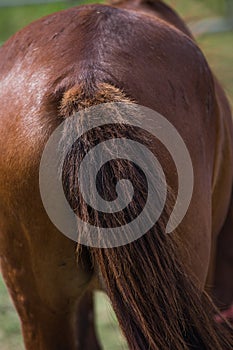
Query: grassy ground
[[219, 51], [10, 337]]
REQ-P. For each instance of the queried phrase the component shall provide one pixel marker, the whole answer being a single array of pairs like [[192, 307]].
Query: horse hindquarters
[[38, 262], [154, 298], [46, 286]]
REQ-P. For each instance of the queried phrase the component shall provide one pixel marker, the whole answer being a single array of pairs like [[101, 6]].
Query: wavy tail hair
[[155, 299]]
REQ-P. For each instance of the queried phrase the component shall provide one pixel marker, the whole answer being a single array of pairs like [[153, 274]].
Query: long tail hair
[[155, 299]]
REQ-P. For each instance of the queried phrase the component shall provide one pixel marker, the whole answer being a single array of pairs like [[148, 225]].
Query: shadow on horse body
[[131, 51]]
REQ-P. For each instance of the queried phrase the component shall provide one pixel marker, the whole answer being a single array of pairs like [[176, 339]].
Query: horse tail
[[156, 301]]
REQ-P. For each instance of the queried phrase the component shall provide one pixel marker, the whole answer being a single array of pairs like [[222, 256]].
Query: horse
[[163, 287]]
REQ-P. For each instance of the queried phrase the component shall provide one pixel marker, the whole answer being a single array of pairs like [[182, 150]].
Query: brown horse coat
[[143, 50]]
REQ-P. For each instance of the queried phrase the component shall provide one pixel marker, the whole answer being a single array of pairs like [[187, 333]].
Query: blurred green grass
[[10, 336], [218, 49]]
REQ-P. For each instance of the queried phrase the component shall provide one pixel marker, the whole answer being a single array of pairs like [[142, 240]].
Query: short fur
[[138, 51]]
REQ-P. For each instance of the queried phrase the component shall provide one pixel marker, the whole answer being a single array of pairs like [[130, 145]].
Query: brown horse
[[130, 51]]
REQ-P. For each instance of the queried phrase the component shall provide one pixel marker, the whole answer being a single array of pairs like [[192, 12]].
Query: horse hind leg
[[85, 325], [223, 272], [46, 294]]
